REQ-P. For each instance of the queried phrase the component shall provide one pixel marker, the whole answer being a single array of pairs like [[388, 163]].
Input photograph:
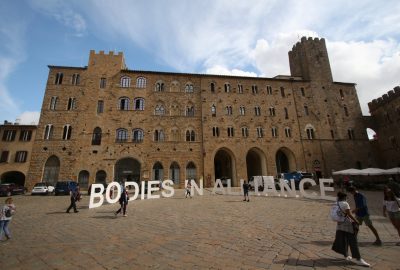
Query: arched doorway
[[83, 179], [13, 177], [127, 169], [51, 170], [191, 172], [174, 171], [285, 161], [224, 166], [101, 177], [256, 163]]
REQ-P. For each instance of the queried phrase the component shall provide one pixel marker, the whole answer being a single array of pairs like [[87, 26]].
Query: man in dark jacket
[[123, 201], [246, 191]]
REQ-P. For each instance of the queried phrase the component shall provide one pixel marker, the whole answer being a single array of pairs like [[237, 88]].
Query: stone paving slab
[[205, 232]]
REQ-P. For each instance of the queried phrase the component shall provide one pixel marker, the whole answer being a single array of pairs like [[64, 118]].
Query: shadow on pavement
[[57, 212], [319, 262], [106, 217], [241, 201]]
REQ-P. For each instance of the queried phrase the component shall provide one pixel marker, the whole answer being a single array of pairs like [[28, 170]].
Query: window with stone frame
[[103, 83], [245, 132], [215, 131], [159, 135], [283, 92], [67, 131], [138, 135], [350, 134], [100, 106], [190, 135], [254, 89], [59, 78], [303, 93], [346, 111], [20, 156], [48, 132], [227, 88], [75, 80], [190, 111], [213, 110], [260, 132], [269, 90], [25, 135], [71, 104], [274, 132], [271, 111], [139, 104], [212, 87], [125, 82], [121, 135], [286, 113], [230, 132], [228, 110], [310, 133], [306, 112], [9, 135], [53, 103], [240, 88], [257, 110], [159, 110], [160, 87], [96, 137], [288, 132], [189, 88], [4, 156], [123, 104], [141, 82], [242, 110]]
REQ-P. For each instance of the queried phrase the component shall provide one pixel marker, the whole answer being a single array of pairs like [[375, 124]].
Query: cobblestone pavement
[[205, 232]]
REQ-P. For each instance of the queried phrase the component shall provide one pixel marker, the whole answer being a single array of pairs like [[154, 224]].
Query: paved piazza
[[206, 232]]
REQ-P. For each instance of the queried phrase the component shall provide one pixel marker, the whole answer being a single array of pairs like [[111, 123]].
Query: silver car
[[42, 188]]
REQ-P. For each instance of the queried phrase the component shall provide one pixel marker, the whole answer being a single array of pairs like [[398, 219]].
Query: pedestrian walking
[[346, 233], [6, 213], [123, 201], [188, 189], [362, 214], [74, 197], [391, 206], [246, 191]]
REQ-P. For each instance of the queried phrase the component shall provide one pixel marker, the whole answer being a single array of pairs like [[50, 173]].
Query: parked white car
[[42, 188]]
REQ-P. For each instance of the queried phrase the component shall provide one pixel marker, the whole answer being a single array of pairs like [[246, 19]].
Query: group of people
[[347, 230]]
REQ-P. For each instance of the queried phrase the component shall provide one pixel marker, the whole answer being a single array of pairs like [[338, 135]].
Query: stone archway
[[224, 166], [285, 161], [83, 179], [127, 169], [51, 170], [13, 177], [101, 177], [256, 163]]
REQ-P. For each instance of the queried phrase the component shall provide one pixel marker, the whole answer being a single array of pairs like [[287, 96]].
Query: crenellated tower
[[309, 59]]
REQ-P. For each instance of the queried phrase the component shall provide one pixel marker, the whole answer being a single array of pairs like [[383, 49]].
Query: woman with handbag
[[391, 206], [346, 233]]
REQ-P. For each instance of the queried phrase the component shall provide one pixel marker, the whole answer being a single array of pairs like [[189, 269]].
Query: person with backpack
[[391, 207], [6, 213], [246, 191], [362, 214], [346, 232], [123, 201]]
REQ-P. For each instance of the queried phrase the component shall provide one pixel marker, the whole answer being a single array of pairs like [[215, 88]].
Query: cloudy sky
[[250, 38]]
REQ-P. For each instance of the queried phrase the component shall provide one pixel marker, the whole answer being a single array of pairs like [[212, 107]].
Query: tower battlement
[[384, 99], [110, 62], [309, 59]]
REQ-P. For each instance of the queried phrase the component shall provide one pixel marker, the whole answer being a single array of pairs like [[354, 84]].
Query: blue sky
[[250, 38]]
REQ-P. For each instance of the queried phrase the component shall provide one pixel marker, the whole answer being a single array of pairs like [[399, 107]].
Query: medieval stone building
[[385, 121], [106, 122]]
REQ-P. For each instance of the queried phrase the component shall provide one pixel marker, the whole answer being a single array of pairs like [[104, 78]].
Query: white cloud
[[220, 70], [28, 118], [62, 12]]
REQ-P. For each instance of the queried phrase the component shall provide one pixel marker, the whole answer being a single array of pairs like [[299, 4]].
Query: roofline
[[345, 83], [81, 68]]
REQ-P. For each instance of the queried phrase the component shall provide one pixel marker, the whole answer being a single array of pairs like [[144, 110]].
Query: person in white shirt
[[346, 233], [6, 213], [391, 206]]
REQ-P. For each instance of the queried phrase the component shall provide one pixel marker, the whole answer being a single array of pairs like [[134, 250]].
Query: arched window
[[138, 135], [310, 132], [213, 110], [159, 110], [174, 171], [122, 135], [271, 111], [288, 132], [254, 89], [75, 79], [141, 82], [190, 136], [96, 137], [215, 131], [346, 111], [159, 87], [242, 110], [123, 104], [257, 111], [228, 110], [53, 103], [190, 111], [139, 104], [240, 88], [48, 132], [245, 132], [191, 171], [306, 109], [274, 131], [260, 132], [125, 81], [59, 78], [175, 134], [212, 87], [227, 88], [158, 172], [67, 132], [189, 88], [269, 90], [71, 104], [159, 135], [51, 170]]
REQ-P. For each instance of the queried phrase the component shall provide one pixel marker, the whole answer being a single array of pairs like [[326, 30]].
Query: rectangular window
[[260, 132], [274, 131], [9, 135], [215, 132], [21, 156], [282, 92], [230, 132], [100, 106], [25, 135], [254, 89], [306, 110], [53, 103], [103, 82], [59, 78], [4, 156], [245, 132]]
